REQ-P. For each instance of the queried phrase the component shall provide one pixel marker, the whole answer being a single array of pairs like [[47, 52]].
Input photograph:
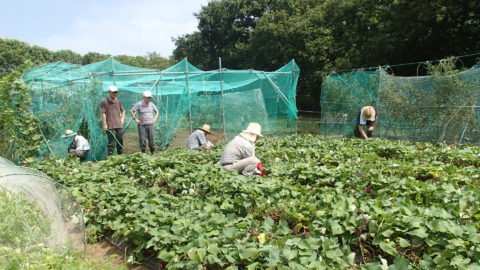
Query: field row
[[324, 203]]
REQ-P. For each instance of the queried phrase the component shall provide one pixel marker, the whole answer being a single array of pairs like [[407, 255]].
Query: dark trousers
[[356, 133], [146, 133], [115, 137]]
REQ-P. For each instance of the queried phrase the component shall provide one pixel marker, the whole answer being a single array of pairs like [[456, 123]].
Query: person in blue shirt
[[198, 141], [367, 117]]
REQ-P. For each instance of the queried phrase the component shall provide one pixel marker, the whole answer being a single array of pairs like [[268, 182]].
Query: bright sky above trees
[[106, 26]]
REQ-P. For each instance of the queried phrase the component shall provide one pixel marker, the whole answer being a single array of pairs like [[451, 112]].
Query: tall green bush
[[19, 130]]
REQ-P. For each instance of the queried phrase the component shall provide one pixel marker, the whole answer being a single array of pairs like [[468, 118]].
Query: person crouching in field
[[147, 116], [367, 117], [239, 154], [198, 141], [79, 146]]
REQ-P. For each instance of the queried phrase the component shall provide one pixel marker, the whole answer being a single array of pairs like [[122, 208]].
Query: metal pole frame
[[223, 103], [189, 98]]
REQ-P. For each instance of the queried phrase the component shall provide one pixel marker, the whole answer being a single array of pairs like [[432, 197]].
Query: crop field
[[325, 203]]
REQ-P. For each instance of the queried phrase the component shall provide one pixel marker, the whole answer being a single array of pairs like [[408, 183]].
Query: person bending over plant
[[239, 154]]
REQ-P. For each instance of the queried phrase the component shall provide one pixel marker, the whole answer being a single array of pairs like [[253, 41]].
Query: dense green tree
[[328, 35]]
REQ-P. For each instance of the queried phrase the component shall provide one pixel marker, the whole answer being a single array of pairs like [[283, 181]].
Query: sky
[[130, 27]]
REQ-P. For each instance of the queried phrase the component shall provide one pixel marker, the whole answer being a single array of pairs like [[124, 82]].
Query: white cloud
[[132, 28]]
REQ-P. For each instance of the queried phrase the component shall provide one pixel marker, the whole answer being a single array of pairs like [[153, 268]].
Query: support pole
[[223, 103], [189, 99], [113, 73]]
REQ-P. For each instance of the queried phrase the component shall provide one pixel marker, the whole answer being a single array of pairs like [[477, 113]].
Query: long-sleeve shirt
[[196, 139], [237, 149]]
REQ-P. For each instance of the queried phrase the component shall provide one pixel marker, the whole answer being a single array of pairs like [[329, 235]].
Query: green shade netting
[[429, 108], [67, 96]]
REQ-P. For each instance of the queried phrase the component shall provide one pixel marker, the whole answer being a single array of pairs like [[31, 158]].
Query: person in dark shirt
[[113, 115], [367, 117]]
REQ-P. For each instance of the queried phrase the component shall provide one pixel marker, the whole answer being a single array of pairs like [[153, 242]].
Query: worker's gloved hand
[[259, 169]]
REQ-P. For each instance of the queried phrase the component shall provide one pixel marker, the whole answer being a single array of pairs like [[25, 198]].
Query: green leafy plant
[[22, 223], [325, 203], [19, 129]]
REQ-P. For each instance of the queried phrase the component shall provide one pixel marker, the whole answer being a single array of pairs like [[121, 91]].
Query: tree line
[[327, 35], [320, 35], [17, 55]]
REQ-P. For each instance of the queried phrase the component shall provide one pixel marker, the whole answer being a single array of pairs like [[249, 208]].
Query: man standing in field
[[113, 115], [239, 154], [147, 116], [198, 141], [367, 116]]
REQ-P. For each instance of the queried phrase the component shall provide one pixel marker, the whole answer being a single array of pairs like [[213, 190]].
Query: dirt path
[[104, 249]]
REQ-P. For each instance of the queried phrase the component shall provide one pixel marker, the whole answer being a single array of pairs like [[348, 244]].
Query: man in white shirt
[[79, 146]]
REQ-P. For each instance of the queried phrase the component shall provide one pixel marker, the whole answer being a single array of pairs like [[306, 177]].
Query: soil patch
[[105, 249]]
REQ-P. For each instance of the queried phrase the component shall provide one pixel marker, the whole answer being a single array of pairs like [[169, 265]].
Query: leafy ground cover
[[24, 230], [325, 204]]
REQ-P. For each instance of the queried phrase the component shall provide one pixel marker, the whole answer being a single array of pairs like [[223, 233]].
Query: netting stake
[[223, 104], [189, 98]]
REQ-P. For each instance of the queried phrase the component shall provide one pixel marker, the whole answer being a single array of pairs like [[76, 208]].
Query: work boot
[[143, 151], [152, 150]]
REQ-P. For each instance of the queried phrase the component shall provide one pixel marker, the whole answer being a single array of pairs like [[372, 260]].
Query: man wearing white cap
[[367, 116], [147, 116], [79, 146], [239, 154], [198, 141], [113, 115]]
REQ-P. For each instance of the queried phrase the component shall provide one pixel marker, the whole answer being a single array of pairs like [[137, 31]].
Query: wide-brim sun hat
[[69, 133], [368, 113], [254, 128], [113, 88], [147, 93], [206, 128]]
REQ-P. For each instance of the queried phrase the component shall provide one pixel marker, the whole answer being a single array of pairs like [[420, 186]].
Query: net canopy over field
[[67, 96], [437, 108], [36, 211]]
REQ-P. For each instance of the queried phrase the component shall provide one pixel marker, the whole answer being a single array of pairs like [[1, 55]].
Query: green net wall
[[67, 96], [429, 108]]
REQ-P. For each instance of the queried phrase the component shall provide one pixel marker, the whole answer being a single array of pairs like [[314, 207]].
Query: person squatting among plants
[[198, 141], [113, 115], [367, 116], [239, 154], [147, 116], [79, 146]]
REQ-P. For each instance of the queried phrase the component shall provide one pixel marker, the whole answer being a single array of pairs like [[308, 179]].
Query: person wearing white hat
[[198, 141], [79, 146], [367, 117], [239, 154], [113, 116], [147, 116]]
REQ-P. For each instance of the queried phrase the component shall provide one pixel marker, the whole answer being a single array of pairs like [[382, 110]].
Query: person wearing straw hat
[[367, 117], [147, 116], [239, 154], [79, 146], [113, 115], [198, 141]]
